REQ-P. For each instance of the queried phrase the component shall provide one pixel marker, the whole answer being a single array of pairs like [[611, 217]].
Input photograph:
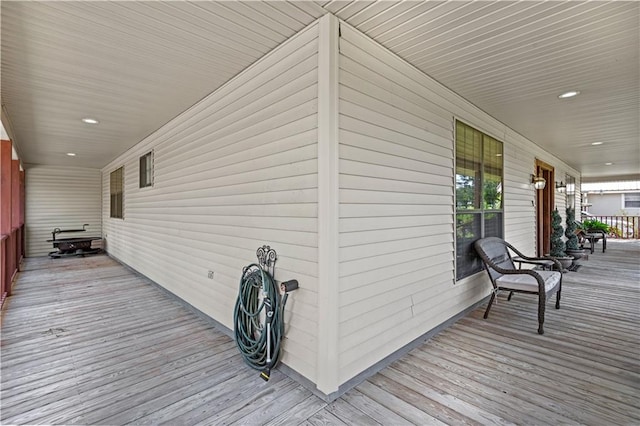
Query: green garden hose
[[259, 300]]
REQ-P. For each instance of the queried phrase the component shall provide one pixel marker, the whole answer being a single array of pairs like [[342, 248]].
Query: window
[[146, 170], [479, 210], [632, 200], [571, 191], [116, 192]]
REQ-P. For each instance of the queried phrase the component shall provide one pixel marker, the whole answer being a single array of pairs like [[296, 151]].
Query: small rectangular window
[[116, 192], [632, 200], [146, 170]]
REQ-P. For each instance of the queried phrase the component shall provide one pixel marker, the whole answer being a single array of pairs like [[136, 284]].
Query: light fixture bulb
[[569, 94], [596, 143], [71, 154], [538, 182], [89, 120]]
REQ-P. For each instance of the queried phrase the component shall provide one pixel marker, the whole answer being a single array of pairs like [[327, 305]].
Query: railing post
[[5, 214], [3, 268], [624, 227]]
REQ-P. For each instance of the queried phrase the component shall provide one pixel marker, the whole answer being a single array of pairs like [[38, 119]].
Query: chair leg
[[541, 302], [558, 299], [486, 313], [510, 294]]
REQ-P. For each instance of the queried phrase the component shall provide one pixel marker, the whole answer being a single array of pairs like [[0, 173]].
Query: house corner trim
[[327, 375]]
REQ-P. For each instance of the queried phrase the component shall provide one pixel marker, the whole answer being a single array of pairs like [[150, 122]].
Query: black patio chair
[[593, 236], [496, 256]]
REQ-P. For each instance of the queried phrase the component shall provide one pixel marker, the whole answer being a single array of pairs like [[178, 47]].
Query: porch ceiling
[[136, 65]]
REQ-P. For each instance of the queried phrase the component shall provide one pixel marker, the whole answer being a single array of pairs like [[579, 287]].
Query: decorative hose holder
[[259, 313]]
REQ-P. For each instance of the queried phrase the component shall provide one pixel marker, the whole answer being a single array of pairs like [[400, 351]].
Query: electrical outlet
[[210, 275]]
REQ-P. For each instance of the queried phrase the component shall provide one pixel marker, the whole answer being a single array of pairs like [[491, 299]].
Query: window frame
[[116, 193], [480, 210], [635, 195], [146, 168]]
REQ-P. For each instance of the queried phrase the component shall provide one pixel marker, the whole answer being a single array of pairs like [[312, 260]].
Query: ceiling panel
[[131, 65], [136, 65], [513, 59]]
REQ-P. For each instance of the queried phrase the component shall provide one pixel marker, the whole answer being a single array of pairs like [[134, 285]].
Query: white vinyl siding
[[60, 197], [396, 205], [234, 172], [519, 207], [397, 277], [245, 167]]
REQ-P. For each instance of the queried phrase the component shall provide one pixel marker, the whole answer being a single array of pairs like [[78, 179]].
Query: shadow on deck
[[85, 341]]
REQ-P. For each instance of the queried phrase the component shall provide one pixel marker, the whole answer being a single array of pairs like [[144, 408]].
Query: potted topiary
[[572, 248], [557, 244]]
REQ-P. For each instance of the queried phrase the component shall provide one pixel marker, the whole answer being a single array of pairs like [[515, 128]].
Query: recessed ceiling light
[[596, 143], [71, 154], [608, 164], [569, 94], [89, 120]]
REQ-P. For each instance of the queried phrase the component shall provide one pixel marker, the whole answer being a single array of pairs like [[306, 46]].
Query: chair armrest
[[532, 260]]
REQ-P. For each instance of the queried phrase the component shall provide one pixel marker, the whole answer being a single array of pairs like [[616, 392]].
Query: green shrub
[[595, 224], [570, 230], [557, 245], [615, 231]]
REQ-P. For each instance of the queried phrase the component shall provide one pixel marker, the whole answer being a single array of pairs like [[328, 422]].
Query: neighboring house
[[613, 203], [609, 201], [612, 198], [345, 159]]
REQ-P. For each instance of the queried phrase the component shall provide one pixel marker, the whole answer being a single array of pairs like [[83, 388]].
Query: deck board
[[86, 341]]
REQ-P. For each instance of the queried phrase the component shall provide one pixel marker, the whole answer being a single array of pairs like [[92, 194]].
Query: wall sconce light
[[561, 186], [538, 182]]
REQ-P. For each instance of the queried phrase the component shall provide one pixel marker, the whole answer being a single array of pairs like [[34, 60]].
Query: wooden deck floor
[[85, 341]]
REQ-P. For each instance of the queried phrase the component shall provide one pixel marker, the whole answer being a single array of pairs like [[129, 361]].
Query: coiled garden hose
[[259, 300]]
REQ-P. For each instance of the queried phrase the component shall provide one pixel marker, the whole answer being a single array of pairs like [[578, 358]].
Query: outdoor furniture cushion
[[528, 282]]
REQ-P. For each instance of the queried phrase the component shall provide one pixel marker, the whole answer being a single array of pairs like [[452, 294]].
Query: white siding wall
[[234, 172], [240, 169], [60, 197], [397, 278], [520, 197]]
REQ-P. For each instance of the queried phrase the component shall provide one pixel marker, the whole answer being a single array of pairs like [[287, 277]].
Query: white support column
[[327, 378]]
